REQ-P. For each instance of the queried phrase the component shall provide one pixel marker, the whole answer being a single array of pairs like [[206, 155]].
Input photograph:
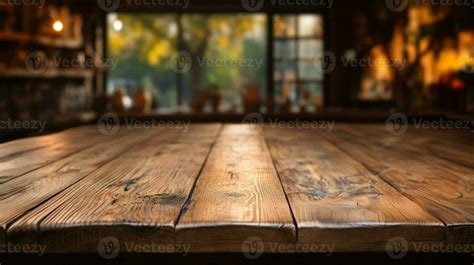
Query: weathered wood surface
[[336, 200], [237, 196], [22, 193], [442, 187], [136, 198], [212, 187], [21, 156]]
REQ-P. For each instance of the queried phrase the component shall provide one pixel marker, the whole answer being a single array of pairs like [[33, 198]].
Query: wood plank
[[29, 190], [451, 145], [431, 182], [135, 198], [237, 196], [336, 200], [22, 156]]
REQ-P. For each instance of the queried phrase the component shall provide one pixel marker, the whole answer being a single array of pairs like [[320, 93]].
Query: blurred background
[[66, 63]]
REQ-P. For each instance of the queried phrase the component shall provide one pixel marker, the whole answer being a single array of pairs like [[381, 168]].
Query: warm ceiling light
[[58, 26], [118, 25]]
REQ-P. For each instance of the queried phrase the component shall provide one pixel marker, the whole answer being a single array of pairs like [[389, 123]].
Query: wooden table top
[[222, 188]]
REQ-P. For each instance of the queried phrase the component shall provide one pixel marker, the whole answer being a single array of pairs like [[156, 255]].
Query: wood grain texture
[[22, 156], [436, 184], [136, 198], [336, 200], [25, 192], [238, 195]]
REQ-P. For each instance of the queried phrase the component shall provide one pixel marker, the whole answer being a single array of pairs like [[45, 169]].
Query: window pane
[[233, 59], [285, 26], [285, 71], [309, 48], [310, 71], [312, 96], [142, 46], [310, 26], [285, 49]]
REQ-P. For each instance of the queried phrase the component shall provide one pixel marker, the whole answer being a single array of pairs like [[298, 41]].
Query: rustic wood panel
[[452, 145], [436, 184], [336, 200], [237, 196], [136, 198], [22, 156], [29, 190]]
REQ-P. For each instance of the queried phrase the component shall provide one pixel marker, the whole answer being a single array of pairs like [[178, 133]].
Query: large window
[[187, 61]]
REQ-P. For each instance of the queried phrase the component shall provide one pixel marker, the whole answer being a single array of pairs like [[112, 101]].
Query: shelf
[[48, 74], [42, 40]]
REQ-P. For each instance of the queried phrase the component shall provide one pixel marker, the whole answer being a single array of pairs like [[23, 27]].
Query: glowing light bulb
[[58, 26], [118, 25]]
